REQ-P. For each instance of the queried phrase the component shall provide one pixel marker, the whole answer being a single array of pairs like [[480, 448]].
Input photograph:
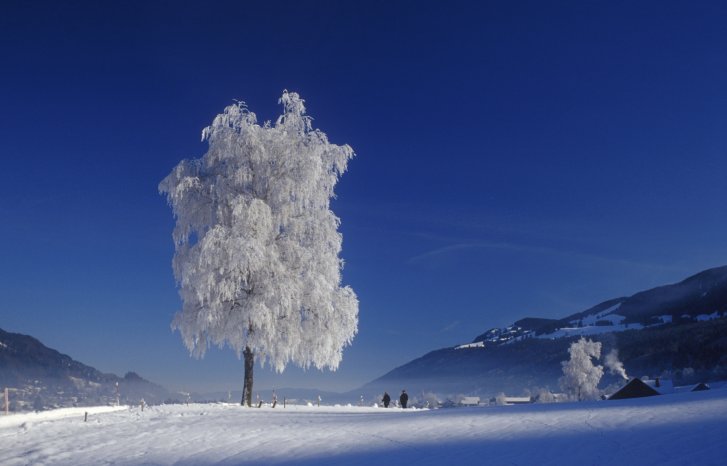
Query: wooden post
[[284, 400], [7, 405], [85, 417]]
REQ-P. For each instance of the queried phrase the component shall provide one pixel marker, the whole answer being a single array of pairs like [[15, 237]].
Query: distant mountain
[[698, 298], [40, 377], [677, 330]]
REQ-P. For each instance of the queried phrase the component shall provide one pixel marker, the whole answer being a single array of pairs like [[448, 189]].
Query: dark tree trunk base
[[247, 384]]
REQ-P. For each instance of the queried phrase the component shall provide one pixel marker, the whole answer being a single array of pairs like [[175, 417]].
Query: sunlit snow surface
[[678, 429]]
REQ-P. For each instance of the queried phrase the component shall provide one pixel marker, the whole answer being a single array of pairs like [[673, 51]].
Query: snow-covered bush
[[426, 400], [432, 400], [543, 395]]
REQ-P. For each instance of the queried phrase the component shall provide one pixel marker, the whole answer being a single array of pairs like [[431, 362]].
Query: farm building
[[634, 389]]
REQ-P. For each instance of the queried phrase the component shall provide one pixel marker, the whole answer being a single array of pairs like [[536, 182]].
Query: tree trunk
[[247, 384]]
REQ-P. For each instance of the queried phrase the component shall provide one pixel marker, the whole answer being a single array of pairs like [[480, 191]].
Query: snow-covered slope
[[677, 429], [698, 298]]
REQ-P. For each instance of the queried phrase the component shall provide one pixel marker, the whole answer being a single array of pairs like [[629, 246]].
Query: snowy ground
[[680, 429]]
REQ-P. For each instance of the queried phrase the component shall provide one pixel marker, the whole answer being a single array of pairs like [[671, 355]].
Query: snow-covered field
[[680, 429]]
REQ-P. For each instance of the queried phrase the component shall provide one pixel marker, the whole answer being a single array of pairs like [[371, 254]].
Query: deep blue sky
[[513, 159]]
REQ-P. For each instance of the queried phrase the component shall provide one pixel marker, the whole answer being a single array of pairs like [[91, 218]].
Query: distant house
[[634, 389], [470, 401], [700, 387], [695, 388], [512, 400], [518, 400]]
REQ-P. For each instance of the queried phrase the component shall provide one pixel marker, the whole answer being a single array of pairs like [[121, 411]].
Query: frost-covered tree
[[257, 245], [580, 377]]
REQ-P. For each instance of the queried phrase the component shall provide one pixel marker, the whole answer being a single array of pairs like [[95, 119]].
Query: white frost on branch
[[257, 245]]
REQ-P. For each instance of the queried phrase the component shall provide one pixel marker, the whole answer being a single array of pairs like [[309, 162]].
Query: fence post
[[7, 405], [85, 417]]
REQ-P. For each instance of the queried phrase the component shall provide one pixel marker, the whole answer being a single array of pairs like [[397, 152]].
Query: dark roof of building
[[634, 389]]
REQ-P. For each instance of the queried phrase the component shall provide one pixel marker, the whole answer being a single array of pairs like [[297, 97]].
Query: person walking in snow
[[386, 400], [403, 399]]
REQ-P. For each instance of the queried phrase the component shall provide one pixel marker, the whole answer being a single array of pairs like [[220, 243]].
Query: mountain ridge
[[701, 294], [41, 377], [675, 330]]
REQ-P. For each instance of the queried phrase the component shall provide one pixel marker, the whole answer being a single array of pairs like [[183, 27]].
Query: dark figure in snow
[[386, 400], [403, 399]]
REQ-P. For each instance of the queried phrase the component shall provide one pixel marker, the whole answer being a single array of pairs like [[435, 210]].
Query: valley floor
[[678, 429]]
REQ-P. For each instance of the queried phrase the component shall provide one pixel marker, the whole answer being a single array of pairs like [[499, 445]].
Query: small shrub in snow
[[430, 400], [543, 395]]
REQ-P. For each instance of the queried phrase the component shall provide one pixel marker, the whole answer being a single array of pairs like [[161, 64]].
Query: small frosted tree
[[580, 377], [257, 245]]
